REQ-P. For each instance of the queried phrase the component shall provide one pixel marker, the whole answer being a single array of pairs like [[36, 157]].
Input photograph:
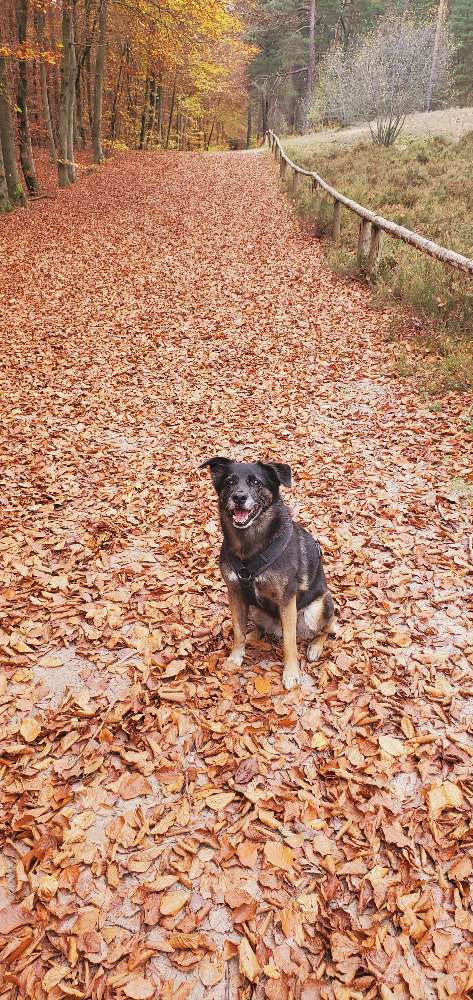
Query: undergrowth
[[426, 185]]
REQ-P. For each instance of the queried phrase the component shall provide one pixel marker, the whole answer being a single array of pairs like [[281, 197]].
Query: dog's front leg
[[291, 674], [239, 609]]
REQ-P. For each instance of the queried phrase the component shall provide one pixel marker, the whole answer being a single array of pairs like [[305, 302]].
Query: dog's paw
[[314, 649], [235, 658], [291, 677]]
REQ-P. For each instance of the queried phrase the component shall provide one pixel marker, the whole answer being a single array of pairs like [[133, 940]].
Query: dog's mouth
[[242, 517]]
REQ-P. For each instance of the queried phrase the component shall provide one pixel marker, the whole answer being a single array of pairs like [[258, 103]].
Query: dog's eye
[[252, 481]]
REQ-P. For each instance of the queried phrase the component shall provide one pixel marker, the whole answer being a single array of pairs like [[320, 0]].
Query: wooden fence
[[372, 226]]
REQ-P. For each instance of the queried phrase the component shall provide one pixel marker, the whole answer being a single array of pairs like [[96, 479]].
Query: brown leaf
[[132, 785], [12, 917], [247, 770]]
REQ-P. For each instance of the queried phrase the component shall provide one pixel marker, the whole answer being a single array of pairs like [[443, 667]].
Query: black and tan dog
[[271, 566]]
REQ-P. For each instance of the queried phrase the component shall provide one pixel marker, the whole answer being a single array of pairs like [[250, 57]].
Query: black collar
[[247, 570]]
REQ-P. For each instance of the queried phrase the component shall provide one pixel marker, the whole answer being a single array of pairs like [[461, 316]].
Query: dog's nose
[[240, 499]]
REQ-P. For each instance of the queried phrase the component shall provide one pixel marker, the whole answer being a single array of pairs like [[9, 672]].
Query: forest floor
[[173, 829]]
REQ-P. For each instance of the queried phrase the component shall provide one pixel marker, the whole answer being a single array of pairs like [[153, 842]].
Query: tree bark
[[26, 152], [7, 139], [144, 112], [248, 122], [66, 170], [100, 60], [310, 64], [71, 93], [442, 13], [171, 112], [43, 82], [5, 203]]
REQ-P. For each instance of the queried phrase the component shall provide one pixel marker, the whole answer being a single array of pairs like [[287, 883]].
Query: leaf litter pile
[[170, 828]]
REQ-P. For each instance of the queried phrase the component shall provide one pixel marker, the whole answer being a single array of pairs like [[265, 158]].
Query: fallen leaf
[[173, 902], [392, 746], [139, 988], [444, 796], [211, 970], [262, 685], [30, 729], [278, 855], [249, 966]]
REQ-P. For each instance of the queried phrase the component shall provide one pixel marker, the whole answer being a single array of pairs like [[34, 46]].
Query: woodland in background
[[97, 73], [82, 76]]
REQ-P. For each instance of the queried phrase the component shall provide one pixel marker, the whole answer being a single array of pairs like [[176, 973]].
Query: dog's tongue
[[240, 516]]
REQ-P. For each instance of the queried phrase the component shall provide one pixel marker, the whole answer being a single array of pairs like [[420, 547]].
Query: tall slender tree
[[26, 152], [98, 83]]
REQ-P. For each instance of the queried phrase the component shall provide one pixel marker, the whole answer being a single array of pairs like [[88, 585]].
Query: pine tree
[[461, 25]]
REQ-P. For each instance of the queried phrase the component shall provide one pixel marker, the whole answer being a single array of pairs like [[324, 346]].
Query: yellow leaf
[[47, 887], [22, 675], [401, 639], [445, 796], [319, 741], [263, 685], [51, 661], [30, 729], [388, 688], [220, 800], [407, 727], [271, 972], [249, 966], [278, 855], [54, 976], [392, 746], [173, 902]]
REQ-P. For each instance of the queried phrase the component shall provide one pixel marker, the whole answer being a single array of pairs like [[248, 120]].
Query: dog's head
[[246, 489]]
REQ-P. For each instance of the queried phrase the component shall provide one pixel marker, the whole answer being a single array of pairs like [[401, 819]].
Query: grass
[[426, 184]]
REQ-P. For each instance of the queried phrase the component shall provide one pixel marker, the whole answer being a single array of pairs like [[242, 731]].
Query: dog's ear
[[218, 468], [280, 472]]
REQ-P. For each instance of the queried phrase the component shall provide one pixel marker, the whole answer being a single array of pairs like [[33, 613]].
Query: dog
[[272, 566]]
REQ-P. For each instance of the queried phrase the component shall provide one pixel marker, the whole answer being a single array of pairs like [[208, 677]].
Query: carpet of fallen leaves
[[170, 829]]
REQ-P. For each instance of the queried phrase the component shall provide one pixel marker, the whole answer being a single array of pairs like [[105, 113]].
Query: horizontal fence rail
[[372, 226]]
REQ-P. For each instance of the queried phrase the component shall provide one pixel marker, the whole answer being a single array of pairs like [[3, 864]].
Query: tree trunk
[[39, 25], [66, 168], [248, 122], [98, 82], [117, 95], [7, 139], [5, 203], [310, 64], [141, 144], [26, 152], [153, 98], [171, 112], [442, 13]]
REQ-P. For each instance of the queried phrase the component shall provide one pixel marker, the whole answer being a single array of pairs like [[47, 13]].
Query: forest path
[[165, 309]]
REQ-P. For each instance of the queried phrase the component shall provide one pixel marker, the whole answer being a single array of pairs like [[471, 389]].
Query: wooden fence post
[[337, 220], [376, 246], [364, 238]]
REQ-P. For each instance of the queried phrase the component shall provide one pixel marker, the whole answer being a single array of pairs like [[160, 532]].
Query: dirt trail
[[175, 821]]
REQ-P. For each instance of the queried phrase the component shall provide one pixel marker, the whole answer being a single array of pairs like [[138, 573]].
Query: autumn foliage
[[172, 829]]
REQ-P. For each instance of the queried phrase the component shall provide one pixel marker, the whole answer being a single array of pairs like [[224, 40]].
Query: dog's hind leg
[[239, 610]]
